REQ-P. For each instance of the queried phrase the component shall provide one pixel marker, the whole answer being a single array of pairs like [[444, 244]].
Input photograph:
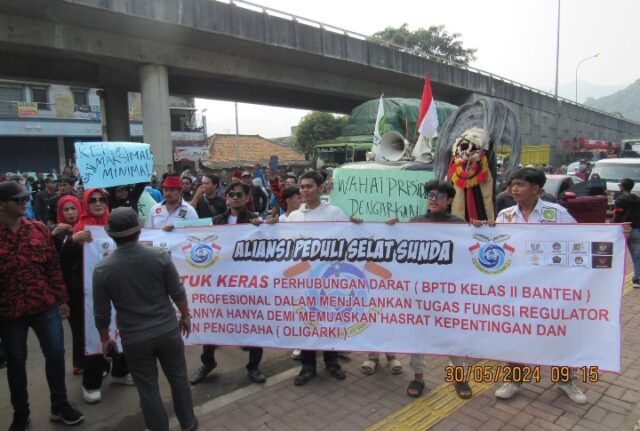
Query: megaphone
[[393, 146]]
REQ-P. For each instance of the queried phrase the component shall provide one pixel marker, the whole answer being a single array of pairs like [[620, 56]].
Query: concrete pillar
[[116, 113], [156, 120], [62, 157]]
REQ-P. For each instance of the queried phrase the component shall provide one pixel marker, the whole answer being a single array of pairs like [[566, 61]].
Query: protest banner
[[543, 295], [107, 164], [379, 194]]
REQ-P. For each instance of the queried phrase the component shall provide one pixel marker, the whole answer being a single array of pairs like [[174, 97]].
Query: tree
[[434, 40], [315, 127]]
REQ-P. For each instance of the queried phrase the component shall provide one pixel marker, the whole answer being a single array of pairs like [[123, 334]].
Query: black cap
[[12, 190], [122, 222]]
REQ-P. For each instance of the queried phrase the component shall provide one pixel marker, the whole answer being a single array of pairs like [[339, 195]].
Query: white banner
[[535, 294]]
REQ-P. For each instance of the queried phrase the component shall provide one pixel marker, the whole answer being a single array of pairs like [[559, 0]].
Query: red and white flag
[[427, 121]]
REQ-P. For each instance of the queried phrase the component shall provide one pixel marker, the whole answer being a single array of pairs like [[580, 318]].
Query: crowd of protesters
[[42, 231]]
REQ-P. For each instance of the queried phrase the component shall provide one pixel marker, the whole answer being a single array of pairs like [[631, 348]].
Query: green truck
[[356, 138]]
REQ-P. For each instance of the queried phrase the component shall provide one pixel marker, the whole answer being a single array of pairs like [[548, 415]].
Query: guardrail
[[327, 27]]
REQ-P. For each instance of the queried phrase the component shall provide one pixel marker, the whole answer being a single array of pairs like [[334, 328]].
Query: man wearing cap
[[32, 294], [141, 282], [173, 208]]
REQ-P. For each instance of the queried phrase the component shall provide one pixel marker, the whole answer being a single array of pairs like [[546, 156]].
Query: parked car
[[586, 201], [614, 170]]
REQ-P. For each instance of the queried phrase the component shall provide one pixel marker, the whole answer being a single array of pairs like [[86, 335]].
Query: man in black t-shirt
[[206, 201], [627, 210]]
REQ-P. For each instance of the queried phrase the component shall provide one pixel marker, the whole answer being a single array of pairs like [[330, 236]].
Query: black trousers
[[208, 356], [76, 323], [168, 349], [308, 359]]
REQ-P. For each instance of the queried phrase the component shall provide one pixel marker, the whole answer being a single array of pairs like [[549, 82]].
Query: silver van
[[614, 170]]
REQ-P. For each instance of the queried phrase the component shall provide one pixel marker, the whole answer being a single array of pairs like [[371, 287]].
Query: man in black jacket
[[627, 210], [237, 213]]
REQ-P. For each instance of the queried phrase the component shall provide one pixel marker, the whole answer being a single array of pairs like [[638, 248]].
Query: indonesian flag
[[427, 121], [377, 136]]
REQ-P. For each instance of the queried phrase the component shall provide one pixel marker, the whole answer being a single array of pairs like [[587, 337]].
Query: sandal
[[463, 390], [369, 367], [415, 388], [395, 366]]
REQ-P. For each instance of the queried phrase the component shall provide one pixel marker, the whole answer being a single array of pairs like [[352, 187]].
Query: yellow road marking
[[441, 402]]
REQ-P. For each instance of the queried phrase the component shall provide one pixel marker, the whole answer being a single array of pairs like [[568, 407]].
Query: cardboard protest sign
[[379, 194], [107, 164]]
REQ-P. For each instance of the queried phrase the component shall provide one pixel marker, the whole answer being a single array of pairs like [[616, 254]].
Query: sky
[[516, 39]]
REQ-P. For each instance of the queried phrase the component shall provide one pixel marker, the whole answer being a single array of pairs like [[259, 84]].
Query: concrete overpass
[[209, 49]]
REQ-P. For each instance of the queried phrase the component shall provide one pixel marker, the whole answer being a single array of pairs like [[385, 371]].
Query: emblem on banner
[[201, 253], [491, 257], [351, 299]]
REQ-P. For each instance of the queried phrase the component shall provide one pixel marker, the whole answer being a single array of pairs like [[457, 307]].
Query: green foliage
[[625, 102], [315, 127], [434, 40]]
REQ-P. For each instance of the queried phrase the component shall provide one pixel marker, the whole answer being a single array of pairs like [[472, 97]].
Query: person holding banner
[[141, 282], [440, 195], [237, 213], [313, 209], [32, 295], [69, 210], [165, 214], [65, 187], [95, 211], [526, 185]]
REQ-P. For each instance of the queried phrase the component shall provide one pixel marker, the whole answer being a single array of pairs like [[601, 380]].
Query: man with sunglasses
[[173, 208], [439, 196], [32, 294], [237, 195]]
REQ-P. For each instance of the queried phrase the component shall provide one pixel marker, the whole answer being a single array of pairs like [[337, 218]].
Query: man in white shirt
[[313, 209], [526, 185], [172, 209]]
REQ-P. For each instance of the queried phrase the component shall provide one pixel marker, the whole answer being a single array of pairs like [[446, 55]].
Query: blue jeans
[[48, 328], [634, 249]]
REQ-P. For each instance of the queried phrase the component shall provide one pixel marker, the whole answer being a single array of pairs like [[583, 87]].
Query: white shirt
[[543, 212], [323, 212], [159, 217]]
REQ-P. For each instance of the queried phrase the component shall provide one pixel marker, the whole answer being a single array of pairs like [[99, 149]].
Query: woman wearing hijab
[[69, 211], [95, 211]]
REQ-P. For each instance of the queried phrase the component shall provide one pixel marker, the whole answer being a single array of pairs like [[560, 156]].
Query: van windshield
[[615, 173]]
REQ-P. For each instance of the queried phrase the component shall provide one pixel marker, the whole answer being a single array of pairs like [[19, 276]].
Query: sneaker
[[295, 355], [573, 392], [201, 373], [507, 390], [337, 372], [66, 413], [125, 380], [304, 377], [256, 376], [91, 396], [20, 421]]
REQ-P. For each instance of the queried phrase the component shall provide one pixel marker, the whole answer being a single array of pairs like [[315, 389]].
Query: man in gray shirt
[[139, 281]]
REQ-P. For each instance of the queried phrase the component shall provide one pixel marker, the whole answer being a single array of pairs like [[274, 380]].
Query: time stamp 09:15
[[519, 373]]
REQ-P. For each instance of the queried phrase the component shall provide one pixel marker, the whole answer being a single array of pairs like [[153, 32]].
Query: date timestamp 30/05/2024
[[519, 373]]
